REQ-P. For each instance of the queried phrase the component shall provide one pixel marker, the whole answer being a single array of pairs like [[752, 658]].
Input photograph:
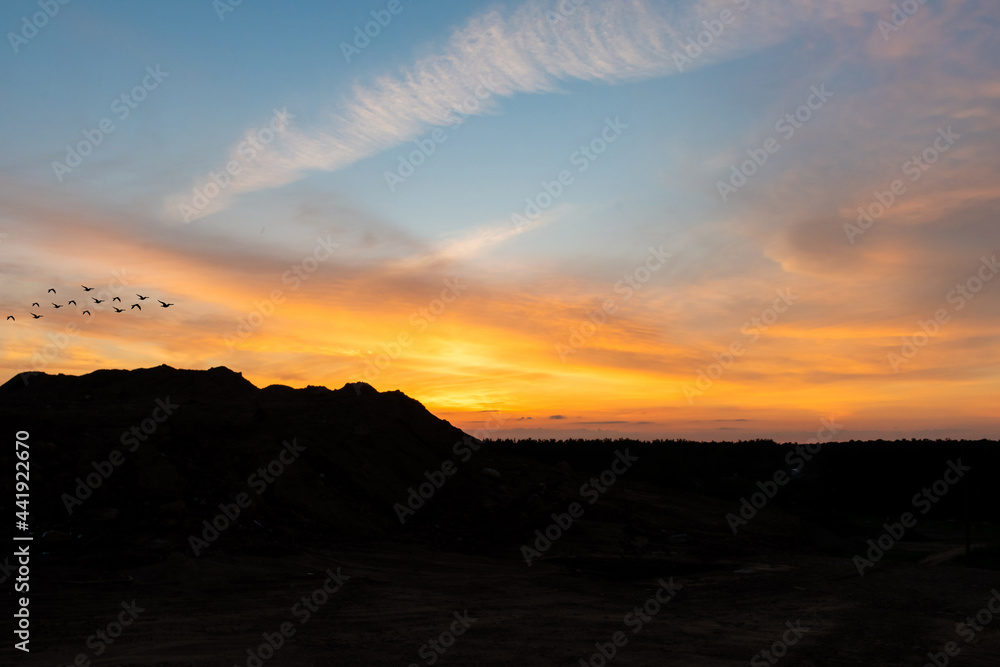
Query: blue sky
[[683, 122]]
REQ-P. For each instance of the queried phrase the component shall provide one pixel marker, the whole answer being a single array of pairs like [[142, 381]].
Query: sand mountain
[[177, 443]]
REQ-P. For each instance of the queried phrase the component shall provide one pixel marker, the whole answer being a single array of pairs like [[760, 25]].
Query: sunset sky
[[594, 217]]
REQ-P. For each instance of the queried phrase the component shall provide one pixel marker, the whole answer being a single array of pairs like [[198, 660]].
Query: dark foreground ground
[[648, 572], [395, 599]]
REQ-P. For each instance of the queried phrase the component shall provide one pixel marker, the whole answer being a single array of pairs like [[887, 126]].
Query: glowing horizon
[[710, 220]]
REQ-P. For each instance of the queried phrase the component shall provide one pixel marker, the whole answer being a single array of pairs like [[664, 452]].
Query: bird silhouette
[[96, 300], [141, 297], [85, 288], [52, 289], [117, 298], [11, 317], [72, 302], [119, 310], [135, 305], [87, 312], [56, 305], [36, 316], [165, 304], [35, 304]]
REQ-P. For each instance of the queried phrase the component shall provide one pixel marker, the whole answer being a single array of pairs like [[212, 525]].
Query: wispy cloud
[[475, 241], [500, 54]]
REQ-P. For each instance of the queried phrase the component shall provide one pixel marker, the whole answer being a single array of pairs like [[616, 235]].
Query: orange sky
[[640, 303], [496, 346]]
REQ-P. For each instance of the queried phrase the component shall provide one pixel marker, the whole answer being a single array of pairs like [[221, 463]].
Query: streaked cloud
[[498, 54]]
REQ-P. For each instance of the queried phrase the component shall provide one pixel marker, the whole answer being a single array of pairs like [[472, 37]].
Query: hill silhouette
[[195, 489], [362, 451]]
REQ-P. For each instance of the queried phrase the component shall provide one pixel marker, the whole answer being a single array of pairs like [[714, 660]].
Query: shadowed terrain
[[218, 507]]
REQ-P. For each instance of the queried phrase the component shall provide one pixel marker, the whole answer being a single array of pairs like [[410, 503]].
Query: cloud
[[557, 417], [496, 54], [614, 421], [474, 241]]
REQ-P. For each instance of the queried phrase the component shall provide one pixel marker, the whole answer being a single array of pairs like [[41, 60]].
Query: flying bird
[[117, 298], [56, 305], [85, 288], [165, 304], [135, 305], [72, 302], [87, 312], [96, 300], [141, 297], [35, 304], [36, 316], [52, 289], [119, 310], [11, 317]]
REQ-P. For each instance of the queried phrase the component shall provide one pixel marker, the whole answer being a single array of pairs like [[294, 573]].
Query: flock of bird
[[163, 304]]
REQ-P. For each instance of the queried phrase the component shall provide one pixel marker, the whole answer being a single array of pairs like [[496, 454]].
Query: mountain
[[135, 461], [219, 509]]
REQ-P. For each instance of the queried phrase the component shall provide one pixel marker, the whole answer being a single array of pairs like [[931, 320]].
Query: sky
[[701, 219]]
